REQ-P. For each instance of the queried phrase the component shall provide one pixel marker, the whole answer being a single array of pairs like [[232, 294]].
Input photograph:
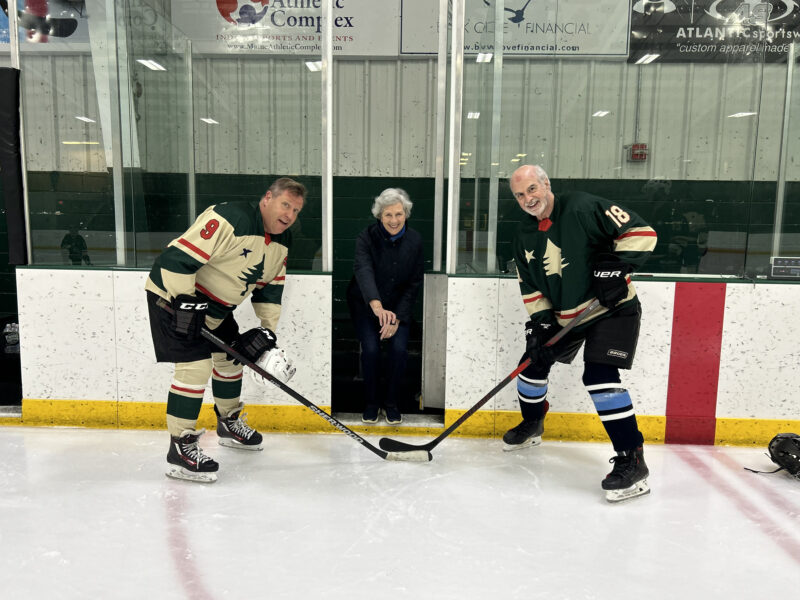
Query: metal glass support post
[[116, 129], [494, 184], [190, 167], [454, 147], [441, 121], [781, 189], [327, 137]]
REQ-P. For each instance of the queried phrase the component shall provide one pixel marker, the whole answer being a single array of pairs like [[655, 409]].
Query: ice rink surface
[[89, 514]]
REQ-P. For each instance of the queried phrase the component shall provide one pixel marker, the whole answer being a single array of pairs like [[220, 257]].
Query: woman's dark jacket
[[386, 270]]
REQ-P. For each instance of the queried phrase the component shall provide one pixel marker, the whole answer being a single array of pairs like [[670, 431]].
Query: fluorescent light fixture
[[209, 120], [516, 159], [495, 164], [86, 119], [739, 115], [521, 155], [647, 59], [473, 115], [80, 143], [466, 154], [600, 113], [484, 57], [314, 65], [151, 64]]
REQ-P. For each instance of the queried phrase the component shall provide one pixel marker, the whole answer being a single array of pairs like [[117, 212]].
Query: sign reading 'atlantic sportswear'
[[714, 30]]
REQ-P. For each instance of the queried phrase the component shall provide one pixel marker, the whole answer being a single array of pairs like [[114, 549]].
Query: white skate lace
[[240, 427], [193, 451]]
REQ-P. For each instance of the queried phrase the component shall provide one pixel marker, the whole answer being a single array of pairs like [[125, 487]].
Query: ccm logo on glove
[[193, 306]]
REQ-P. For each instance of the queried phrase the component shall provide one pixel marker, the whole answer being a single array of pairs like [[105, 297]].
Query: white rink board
[[480, 308], [85, 335], [760, 360]]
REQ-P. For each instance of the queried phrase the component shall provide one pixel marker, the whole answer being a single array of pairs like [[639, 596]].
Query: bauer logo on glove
[[276, 364]]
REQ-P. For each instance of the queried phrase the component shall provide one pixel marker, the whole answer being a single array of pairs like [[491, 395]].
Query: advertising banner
[[713, 30], [47, 26], [530, 28], [360, 27]]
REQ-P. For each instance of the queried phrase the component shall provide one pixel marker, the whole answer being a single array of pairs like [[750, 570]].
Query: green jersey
[[226, 256], [554, 257]]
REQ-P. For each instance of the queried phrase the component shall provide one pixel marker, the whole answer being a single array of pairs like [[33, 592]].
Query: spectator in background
[[73, 248], [387, 275]]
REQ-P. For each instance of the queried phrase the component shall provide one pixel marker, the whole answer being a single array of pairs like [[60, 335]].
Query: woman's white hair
[[391, 196]]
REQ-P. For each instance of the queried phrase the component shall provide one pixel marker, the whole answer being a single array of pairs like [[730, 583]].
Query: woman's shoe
[[371, 414], [393, 416]]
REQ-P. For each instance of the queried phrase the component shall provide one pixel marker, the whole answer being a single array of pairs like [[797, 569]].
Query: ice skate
[[187, 461], [234, 432], [628, 478], [528, 433]]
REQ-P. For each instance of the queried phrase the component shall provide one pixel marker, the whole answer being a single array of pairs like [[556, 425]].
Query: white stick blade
[[411, 456]]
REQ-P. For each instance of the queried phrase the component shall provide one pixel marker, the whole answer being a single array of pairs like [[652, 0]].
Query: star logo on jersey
[[245, 252], [252, 275], [529, 255], [553, 262]]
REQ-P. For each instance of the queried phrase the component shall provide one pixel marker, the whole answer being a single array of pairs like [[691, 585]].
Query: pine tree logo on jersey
[[252, 275], [553, 263]]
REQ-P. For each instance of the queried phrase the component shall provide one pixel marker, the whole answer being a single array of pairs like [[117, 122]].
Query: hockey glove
[[276, 364], [188, 315], [537, 334], [609, 280], [253, 343]]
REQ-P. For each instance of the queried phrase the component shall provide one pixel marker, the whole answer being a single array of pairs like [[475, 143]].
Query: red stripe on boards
[[694, 362]]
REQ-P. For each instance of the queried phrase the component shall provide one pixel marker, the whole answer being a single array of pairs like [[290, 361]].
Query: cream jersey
[[226, 256]]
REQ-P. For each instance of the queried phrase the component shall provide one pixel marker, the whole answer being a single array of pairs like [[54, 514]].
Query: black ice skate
[[628, 478], [187, 461], [234, 432], [526, 434]]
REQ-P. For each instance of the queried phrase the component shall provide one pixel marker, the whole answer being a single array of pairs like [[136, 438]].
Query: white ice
[[89, 514]]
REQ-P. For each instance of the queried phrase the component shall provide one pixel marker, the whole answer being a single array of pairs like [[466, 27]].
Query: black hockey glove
[[537, 334], [609, 280], [253, 343], [188, 315]]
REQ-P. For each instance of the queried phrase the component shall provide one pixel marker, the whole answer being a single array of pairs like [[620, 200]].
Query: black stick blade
[[391, 445]]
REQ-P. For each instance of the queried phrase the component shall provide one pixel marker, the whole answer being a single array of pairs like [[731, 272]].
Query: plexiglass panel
[[670, 108]]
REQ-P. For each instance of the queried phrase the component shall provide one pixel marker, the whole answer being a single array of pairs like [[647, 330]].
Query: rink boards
[[716, 362]]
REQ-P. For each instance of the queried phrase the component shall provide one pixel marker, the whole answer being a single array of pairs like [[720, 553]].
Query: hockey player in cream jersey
[[570, 249], [234, 250]]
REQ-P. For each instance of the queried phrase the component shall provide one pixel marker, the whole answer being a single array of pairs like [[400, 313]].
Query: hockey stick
[[391, 445], [407, 455]]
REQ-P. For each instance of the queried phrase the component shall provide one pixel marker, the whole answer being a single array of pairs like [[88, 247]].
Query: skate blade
[[176, 472], [534, 441], [229, 443], [640, 488]]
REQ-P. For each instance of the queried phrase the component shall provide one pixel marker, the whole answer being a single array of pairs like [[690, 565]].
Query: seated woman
[[387, 276]]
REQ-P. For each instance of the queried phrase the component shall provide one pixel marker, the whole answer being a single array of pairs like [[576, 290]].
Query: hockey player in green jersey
[[234, 250], [569, 249]]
